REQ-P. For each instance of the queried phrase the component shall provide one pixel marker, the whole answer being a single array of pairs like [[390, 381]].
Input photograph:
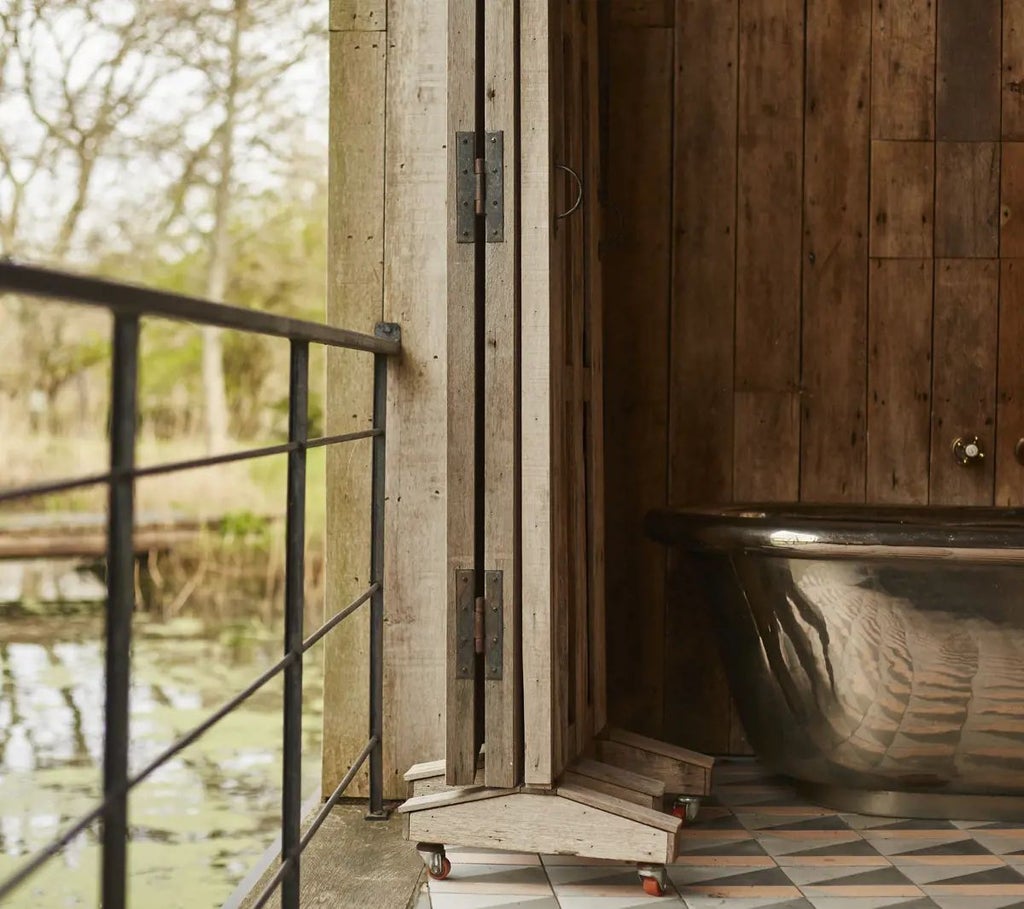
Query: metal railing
[[128, 304]]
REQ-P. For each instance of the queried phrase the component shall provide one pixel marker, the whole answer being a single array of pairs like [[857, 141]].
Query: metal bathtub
[[876, 655]]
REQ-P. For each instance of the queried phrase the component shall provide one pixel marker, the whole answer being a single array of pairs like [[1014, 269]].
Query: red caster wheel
[[686, 808], [440, 871], [654, 879], [652, 887]]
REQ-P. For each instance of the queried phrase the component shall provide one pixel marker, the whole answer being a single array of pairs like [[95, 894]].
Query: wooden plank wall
[[813, 273], [387, 254]]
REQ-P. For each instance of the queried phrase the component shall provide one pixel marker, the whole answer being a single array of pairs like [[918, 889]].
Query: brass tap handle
[[968, 451]]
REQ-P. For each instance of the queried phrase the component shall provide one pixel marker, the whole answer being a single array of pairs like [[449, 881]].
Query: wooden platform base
[[613, 807]]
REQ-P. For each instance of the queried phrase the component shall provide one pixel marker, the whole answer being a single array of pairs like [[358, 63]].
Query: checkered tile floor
[[757, 846]]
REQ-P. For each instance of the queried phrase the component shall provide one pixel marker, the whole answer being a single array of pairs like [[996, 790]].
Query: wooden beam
[[414, 288], [355, 300], [541, 766], [461, 722]]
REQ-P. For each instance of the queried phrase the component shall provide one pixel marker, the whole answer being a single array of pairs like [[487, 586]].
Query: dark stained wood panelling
[[704, 280], [771, 66], [903, 70], [1011, 204], [963, 377], [899, 380], [1010, 410], [653, 13], [967, 200], [902, 199], [1013, 69], [967, 104], [767, 463], [703, 309], [637, 280], [835, 281]]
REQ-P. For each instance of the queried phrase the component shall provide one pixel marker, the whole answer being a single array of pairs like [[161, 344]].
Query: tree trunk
[[217, 425]]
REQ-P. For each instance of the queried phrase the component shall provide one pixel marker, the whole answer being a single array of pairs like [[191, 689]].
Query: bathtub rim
[[966, 533]]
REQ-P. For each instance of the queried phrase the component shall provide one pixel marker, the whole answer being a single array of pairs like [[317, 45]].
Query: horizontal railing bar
[[336, 795], [249, 454], [131, 299], [282, 869], [338, 617]]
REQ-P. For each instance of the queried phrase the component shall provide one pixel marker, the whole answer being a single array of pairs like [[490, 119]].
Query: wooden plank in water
[[770, 167], [903, 70], [899, 380], [967, 200], [967, 97], [964, 378], [1010, 414], [637, 261], [902, 199], [835, 281]]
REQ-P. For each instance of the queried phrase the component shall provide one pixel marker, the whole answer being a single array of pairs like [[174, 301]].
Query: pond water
[[199, 824]]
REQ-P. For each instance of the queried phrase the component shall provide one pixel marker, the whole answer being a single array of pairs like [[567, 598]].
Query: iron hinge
[[480, 187], [480, 624]]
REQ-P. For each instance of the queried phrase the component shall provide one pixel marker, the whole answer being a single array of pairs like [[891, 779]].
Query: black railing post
[[380, 401], [294, 608], [120, 602]]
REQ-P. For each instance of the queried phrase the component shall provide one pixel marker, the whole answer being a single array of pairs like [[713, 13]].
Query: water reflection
[[198, 824]]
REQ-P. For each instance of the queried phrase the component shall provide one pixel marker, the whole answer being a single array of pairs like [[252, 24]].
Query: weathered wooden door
[[502, 320]]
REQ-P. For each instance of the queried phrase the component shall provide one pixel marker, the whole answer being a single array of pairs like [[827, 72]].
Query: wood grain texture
[[536, 207], [414, 262], [594, 441], [967, 200], [835, 291], [902, 199], [767, 454], [1011, 204], [650, 13], [531, 823], [616, 790], [963, 377], [502, 706], [770, 167], [1013, 70], [899, 381], [679, 778], [609, 773], [358, 15], [704, 277], [967, 98], [636, 259], [1010, 407], [355, 299], [903, 69], [696, 704], [461, 454]]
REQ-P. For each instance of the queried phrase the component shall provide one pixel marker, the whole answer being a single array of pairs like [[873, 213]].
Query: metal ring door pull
[[579, 190]]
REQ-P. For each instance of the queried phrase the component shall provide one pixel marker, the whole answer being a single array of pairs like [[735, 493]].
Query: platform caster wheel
[[686, 808], [442, 871], [653, 887], [438, 865], [654, 879]]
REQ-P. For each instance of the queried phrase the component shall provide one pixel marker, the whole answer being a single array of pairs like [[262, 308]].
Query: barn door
[[484, 684]]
